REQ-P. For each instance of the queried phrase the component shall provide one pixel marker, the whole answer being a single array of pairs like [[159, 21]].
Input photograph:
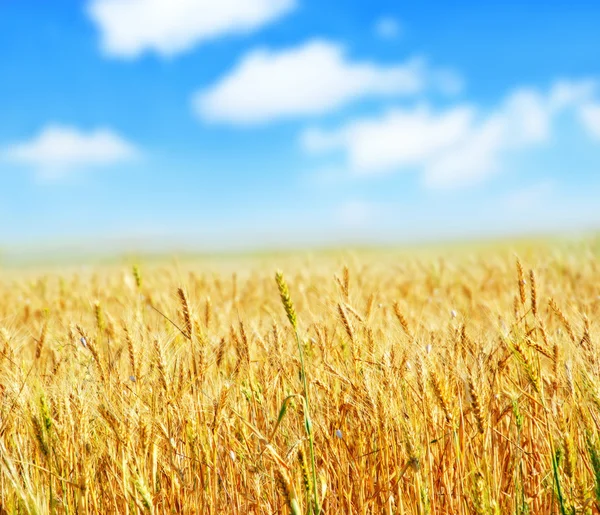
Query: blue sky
[[285, 122]]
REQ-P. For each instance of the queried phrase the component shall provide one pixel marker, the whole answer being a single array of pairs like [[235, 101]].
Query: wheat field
[[442, 382]]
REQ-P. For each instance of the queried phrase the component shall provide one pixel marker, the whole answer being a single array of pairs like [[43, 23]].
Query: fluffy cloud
[[373, 145], [130, 27], [388, 28], [590, 116], [456, 146], [58, 150], [311, 79]]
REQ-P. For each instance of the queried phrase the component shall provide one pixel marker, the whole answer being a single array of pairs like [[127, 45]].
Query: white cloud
[[388, 28], [58, 150], [566, 93], [311, 79], [398, 138], [453, 147], [130, 27], [448, 81], [473, 159], [590, 117]]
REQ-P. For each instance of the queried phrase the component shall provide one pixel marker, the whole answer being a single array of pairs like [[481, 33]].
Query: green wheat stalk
[[291, 315]]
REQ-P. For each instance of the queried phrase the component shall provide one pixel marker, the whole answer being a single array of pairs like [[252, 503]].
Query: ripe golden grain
[[243, 406]]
